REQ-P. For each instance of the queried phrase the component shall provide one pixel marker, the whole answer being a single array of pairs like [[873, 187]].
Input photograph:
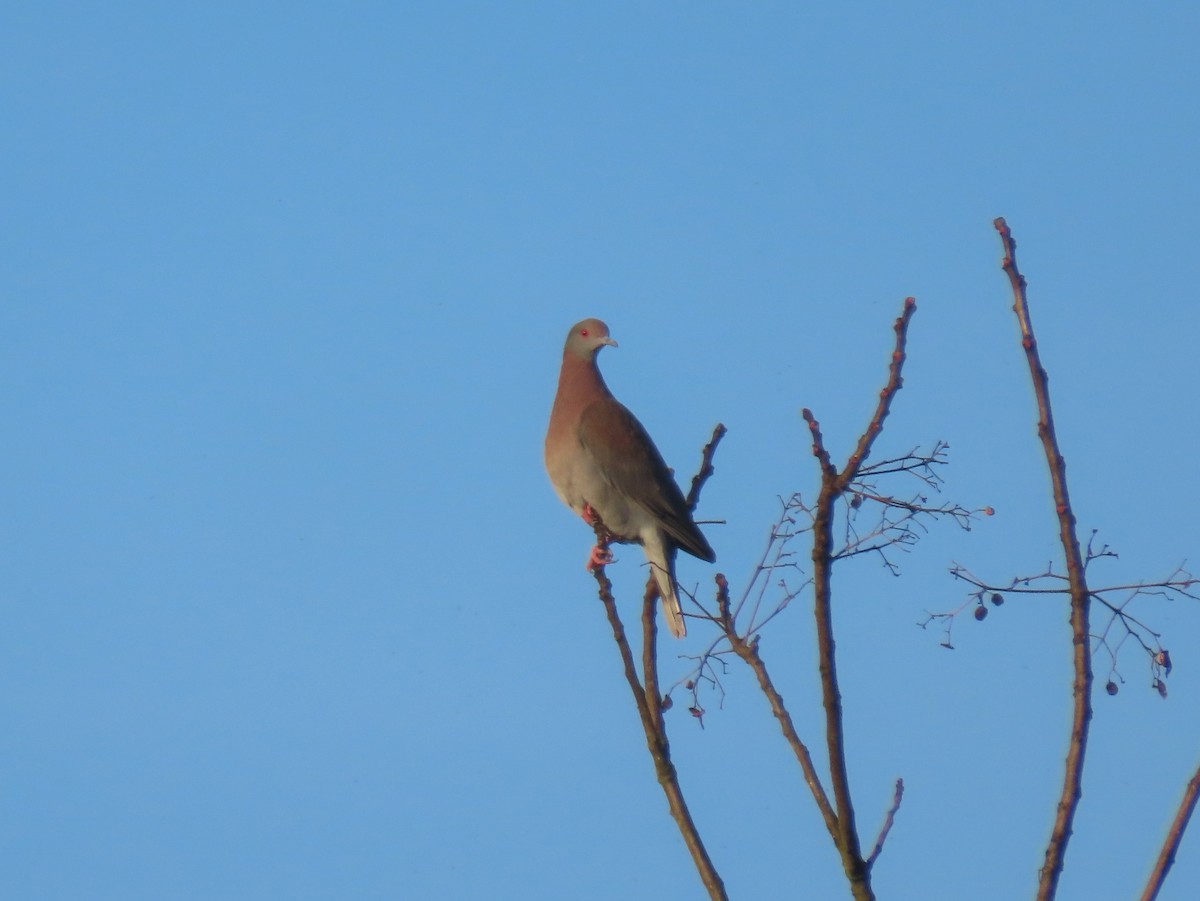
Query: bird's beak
[[611, 342]]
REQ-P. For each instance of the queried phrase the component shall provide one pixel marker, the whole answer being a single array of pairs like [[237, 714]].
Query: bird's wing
[[626, 456]]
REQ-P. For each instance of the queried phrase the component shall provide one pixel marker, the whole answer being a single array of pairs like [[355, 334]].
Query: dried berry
[[997, 599], [1111, 687], [981, 613]]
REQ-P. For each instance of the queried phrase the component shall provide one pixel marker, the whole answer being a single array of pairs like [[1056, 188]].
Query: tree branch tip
[[888, 821]]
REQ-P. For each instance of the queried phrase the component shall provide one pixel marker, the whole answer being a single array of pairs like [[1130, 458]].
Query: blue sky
[[289, 607]]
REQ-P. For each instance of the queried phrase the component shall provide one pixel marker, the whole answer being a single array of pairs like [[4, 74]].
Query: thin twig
[[748, 651], [887, 823], [886, 396], [1166, 857], [706, 465], [1180, 583], [1081, 716]]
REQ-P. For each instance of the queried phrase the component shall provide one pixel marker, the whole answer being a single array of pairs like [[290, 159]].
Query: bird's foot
[[600, 556], [589, 514]]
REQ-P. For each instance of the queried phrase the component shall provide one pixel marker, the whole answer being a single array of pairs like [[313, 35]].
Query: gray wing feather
[[631, 463]]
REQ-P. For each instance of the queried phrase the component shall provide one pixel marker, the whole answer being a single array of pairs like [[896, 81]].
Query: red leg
[[600, 556]]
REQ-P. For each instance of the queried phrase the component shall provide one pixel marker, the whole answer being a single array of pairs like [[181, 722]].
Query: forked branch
[[646, 696], [833, 485]]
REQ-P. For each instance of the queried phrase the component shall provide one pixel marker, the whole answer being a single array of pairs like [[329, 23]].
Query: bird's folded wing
[[626, 456]]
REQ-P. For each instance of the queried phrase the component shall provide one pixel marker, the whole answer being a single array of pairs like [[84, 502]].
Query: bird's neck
[[580, 379]]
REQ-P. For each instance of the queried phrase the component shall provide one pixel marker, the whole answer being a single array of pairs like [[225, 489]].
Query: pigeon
[[602, 462]]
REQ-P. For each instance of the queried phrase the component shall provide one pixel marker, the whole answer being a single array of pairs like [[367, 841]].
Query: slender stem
[[1166, 857], [706, 465], [748, 651], [888, 820], [660, 748], [650, 655], [831, 697], [894, 383], [1081, 686], [647, 696]]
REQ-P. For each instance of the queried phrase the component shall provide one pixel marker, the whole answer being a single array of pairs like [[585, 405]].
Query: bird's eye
[[583, 332]]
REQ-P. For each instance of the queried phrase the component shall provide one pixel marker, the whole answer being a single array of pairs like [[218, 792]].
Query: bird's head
[[587, 337]]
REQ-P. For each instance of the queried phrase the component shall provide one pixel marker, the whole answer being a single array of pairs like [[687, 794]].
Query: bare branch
[[646, 696], [658, 745], [748, 651], [888, 820], [833, 485], [1166, 857], [706, 466], [1180, 583], [650, 653], [1072, 789], [886, 396]]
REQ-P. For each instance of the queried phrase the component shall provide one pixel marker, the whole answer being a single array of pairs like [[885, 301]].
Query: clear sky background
[[289, 608]]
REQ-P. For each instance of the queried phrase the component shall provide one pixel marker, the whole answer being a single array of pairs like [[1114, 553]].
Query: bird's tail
[[662, 564]]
